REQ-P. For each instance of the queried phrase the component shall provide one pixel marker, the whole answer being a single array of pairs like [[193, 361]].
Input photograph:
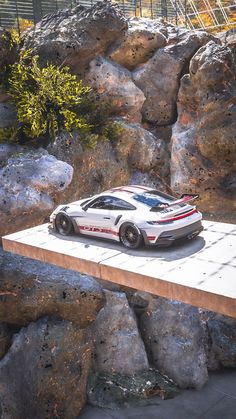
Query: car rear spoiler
[[184, 198]]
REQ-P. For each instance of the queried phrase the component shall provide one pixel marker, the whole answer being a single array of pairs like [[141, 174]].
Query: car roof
[[126, 192]]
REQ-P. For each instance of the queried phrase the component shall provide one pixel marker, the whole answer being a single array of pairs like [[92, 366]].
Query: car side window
[[111, 203], [120, 204], [102, 203]]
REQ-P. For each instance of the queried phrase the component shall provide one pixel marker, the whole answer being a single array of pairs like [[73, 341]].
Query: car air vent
[[183, 212], [64, 209]]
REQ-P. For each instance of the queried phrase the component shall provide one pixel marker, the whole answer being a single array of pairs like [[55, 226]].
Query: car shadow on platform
[[179, 250]]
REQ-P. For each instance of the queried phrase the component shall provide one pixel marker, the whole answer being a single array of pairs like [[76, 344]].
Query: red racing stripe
[[99, 230]]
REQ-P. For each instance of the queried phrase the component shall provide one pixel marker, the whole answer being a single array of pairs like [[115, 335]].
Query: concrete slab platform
[[201, 272]]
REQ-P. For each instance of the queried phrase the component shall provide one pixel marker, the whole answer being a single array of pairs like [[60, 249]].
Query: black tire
[[130, 236], [63, 224]]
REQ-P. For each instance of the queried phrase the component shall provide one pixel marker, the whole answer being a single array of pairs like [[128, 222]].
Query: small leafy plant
[[51, 98]]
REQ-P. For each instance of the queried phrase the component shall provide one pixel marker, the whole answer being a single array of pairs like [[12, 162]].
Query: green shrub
[[50, 99]]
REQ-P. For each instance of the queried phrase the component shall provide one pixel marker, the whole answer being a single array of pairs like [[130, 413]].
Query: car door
[[96, 220]]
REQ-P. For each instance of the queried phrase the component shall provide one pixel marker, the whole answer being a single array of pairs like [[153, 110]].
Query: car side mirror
[[84, 207]]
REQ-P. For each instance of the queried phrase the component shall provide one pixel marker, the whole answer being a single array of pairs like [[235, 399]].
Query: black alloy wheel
[[63, 224], [130, 236]]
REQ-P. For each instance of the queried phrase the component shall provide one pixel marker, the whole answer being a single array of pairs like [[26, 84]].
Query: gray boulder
[[31, 289], [7, 115], [159, 78], [30, 180], [74, 37], [118, 345], [222, 341], [203, 155], [44, 373], [115, 86], [175, 340], [138, 43]]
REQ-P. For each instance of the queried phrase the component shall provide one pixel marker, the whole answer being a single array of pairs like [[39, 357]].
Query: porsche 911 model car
[[132, 215]]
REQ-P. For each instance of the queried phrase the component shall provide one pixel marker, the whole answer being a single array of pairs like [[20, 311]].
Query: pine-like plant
[[50, 99]]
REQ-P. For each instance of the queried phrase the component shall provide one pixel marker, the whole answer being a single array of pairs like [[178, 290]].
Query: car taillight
[[172, 219]]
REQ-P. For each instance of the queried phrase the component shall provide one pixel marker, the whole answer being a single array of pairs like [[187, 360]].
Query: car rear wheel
[[130, 236], [63, 224]]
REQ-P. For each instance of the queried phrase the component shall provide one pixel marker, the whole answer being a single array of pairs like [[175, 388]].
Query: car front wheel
[[130, 236], [63, 224]]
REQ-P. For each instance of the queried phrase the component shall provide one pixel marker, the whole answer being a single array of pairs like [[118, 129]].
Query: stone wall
[[64, 339]]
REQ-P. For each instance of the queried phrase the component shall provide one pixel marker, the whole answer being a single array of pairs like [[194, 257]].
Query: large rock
[[44, 374], [30, 180], [118, 345], [31, 289], [115, 86], [175, 339], [203, 157], [159, 78], [222, 341], [74, 37], [94, 170], [138, 43]]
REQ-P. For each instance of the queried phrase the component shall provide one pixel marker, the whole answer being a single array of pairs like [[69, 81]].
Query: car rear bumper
[[167, 238]]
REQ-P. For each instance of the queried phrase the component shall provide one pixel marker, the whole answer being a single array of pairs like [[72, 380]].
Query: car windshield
[[154, 198]]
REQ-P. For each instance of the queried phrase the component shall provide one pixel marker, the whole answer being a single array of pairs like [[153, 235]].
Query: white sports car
[[132, 215]]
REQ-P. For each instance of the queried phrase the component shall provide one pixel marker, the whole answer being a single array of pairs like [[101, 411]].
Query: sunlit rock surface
[[29, 182], [203, 154]]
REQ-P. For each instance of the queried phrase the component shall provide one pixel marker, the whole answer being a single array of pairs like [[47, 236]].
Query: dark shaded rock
[[116, 390], [115, 332], [44, 374], [7, 115], [30, 180], [159, 78], [164, 132], [175, 340], [74, 37], [94, 170], [138, 43], [31, 289], [5, 339], [115, 86], [222, 341], [8, 52], [203, 156], [139, 302]]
